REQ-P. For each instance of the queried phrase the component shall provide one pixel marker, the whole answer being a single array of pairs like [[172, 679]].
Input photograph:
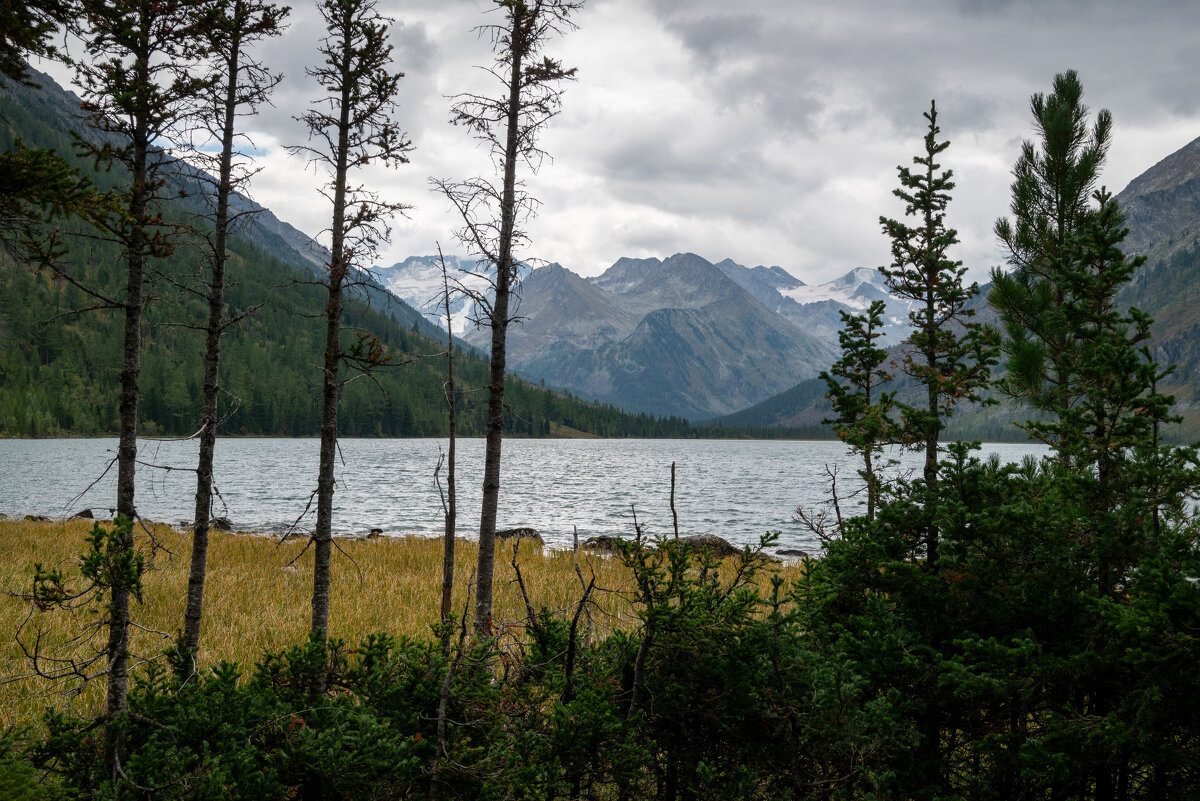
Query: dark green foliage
[[1053, 184], [38, 187], [19, 779], [27, 28], [948, 354], [854, 384], [1031, 668]]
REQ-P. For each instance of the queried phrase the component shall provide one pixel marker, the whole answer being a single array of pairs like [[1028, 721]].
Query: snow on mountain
[[854, 289], [418, 281], [671, 336], [817, 309]]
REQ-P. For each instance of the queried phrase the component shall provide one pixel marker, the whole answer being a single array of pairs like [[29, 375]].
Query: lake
[[738, 489]]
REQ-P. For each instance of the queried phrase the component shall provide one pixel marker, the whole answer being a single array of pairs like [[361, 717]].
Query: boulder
[[220, 524], [83, 514], [792, 553], [520, 533], [37, 519], [602, 543], [715, 545], [375, 534]]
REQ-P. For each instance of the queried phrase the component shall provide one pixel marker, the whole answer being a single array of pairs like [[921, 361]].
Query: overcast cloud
[[766, 131]]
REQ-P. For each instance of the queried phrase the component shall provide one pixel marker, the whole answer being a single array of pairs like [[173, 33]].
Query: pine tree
[[1081, 359], [492, 215], [1111, 427], [351, 126], [1053, 181]]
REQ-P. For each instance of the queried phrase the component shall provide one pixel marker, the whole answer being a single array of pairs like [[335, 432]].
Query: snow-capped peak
[[848, 289]]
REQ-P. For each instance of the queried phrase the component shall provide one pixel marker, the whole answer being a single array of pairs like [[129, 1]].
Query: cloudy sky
[[766, 131]]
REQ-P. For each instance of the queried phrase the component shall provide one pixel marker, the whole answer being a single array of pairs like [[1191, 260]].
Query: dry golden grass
[[255, 602]]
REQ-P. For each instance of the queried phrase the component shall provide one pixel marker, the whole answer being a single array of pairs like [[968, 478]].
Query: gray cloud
[[767, 131]]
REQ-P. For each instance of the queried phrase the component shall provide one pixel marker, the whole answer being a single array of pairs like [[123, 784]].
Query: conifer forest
[[970, 630]]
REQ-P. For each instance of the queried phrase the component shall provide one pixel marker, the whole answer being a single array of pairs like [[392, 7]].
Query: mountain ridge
[[578, 333], [1162, 210]]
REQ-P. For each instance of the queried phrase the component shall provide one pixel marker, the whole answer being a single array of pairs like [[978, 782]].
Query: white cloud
[[767, 131]]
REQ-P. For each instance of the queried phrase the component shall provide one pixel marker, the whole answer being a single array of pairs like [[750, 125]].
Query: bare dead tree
[[674, 514], [240, 86], [449, 503], [350, 126], [493, 215]]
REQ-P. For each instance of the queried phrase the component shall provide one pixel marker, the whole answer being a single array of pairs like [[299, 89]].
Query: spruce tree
[[138, 89], [854, 385], [27, 28], [948, 354], [239, 86]]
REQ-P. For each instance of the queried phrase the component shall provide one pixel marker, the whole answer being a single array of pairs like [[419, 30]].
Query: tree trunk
[[212, 360], [338, 270], [505, 275], [323, 534], [932, 435], [117, 703], [452, 495]]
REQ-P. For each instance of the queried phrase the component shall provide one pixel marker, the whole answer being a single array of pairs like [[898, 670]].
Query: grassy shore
[[258, 597]]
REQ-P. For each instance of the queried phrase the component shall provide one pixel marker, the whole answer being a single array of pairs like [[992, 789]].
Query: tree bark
[[452, 495], [212, 360], [505, 273], [330, 387], [117, 702]]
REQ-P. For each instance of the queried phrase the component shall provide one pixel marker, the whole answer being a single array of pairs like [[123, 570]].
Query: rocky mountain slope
[[675, 336], [1162, 208]]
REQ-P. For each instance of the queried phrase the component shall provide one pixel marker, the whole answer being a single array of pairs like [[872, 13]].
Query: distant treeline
[[59, 366]]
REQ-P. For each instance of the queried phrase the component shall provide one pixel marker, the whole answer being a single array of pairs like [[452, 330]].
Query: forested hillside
[[59, 365]]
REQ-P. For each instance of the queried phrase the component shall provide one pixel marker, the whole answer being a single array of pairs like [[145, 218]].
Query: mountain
[[418, 282], [670, 337], [1162, 208], [816, 309], [59, 367], [739, 333]]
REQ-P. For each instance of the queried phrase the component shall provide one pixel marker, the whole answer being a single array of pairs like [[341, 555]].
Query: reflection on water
[[737, 489]]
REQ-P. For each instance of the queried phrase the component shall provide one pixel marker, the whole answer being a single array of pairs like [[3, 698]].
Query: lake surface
[[734, 488]]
